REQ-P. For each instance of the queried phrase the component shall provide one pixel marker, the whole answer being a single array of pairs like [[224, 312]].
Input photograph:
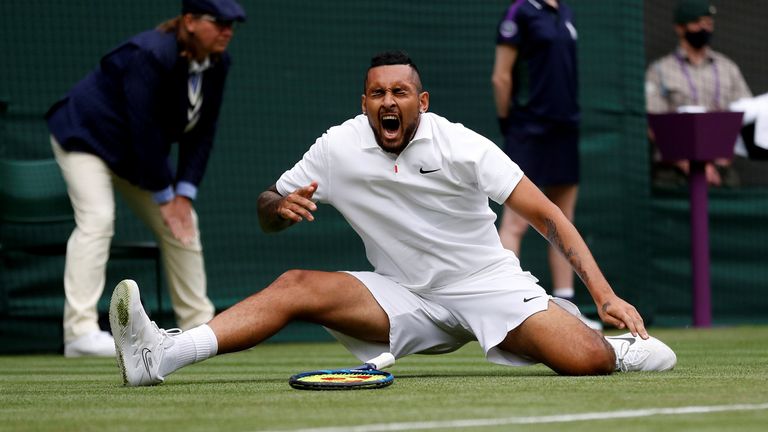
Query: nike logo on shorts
[[526, 300]]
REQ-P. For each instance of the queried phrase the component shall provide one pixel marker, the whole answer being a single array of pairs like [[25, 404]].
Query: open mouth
[[390, 123]]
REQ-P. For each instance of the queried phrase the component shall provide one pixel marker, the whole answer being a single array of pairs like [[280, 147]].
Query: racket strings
[[340, 379]]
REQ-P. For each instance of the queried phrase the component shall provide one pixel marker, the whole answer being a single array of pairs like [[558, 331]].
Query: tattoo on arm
[[605, 307], [269, 219], [553, 236]]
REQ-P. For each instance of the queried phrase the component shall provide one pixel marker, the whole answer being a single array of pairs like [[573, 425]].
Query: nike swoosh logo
[[147, 360], [628, 339], [526, 300], [423, 171]]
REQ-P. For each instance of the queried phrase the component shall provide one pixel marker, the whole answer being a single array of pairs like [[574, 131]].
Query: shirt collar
[[195, 67], [683, 55], [424, 131]]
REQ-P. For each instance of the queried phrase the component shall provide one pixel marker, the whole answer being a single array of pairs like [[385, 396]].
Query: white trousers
[[91, 185]]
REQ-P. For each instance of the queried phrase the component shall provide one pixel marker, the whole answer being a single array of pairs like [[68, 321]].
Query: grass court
[[720, 384]]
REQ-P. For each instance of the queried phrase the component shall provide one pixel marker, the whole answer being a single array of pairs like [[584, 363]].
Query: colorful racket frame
[[341, 379]]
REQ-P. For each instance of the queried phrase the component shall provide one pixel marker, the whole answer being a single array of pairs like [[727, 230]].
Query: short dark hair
[[395, 57], [392, 58]]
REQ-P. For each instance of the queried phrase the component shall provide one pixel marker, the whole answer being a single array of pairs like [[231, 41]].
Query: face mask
[[698, 39]]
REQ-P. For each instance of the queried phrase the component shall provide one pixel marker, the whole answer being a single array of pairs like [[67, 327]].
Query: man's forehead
[[701, 20], [391, 74]]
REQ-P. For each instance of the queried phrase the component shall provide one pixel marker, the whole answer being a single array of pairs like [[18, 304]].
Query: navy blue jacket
[[545, 76], [130, 109]]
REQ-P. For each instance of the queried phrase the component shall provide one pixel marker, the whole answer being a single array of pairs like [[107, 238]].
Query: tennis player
[[415, 187]]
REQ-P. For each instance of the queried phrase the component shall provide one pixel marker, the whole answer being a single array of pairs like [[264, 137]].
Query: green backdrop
[[297, 70]]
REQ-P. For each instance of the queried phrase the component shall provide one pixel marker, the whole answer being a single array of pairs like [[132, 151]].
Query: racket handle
[[382, 361]]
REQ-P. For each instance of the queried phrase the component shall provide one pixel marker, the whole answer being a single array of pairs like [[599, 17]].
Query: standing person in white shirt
[[415, 187]]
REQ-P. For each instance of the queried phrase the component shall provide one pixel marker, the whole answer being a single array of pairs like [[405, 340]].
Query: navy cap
[[691, 10], [225, 10]]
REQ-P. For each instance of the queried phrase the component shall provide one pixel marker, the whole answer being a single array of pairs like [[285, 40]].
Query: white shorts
[[482, 308]]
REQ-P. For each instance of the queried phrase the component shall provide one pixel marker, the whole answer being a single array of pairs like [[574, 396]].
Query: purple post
[[697, 137], [702, 310]]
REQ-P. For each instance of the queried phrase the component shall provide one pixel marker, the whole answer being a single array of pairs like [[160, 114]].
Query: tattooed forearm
[[269, 219], [553, 236]]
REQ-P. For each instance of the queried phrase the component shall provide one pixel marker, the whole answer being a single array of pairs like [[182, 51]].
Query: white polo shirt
[[423, 216]]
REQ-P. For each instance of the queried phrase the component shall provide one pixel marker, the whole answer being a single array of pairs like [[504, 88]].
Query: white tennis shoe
[[140, 344], [95, 344], [634, 353]]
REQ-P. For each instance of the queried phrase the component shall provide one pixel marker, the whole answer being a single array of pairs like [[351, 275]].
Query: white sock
[[191, 346], [566, 293]]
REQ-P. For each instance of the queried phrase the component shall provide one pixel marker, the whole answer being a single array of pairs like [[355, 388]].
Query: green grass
[[249, 392]]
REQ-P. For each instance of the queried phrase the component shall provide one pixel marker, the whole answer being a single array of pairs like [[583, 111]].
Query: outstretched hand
[[298, 205], [622, 315]]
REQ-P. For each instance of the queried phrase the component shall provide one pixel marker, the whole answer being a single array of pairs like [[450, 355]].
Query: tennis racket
[[366, 376]]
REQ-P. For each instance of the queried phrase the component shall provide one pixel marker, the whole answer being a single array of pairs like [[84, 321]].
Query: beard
[[398, 146]]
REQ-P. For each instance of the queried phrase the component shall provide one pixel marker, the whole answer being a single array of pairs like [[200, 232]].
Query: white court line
[[563, 418]]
